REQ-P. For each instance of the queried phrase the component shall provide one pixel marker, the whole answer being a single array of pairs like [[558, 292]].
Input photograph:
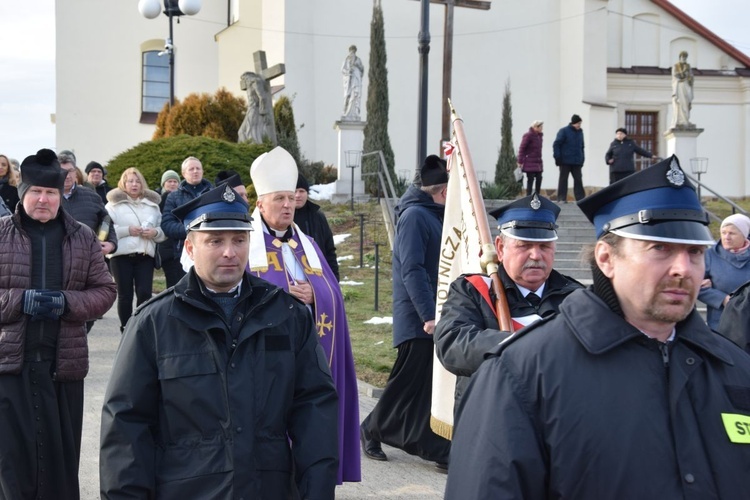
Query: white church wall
[[99, 71]]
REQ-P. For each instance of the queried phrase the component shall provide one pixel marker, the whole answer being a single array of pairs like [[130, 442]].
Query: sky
[[27, 64]]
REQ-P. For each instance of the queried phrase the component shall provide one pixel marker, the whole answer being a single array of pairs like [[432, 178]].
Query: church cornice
[[653, 70], [704, 32]]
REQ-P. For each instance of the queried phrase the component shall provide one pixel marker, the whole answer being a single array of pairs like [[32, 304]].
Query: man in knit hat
[[54, 279], [96, 173], [309, 217], [568, 150], [626, 393], [220, 388], [170, 180], [402, 416], [283, 255]]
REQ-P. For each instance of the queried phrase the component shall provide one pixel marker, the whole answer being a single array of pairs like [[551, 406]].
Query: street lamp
[[353, 157], [150, 9], [699, 166]]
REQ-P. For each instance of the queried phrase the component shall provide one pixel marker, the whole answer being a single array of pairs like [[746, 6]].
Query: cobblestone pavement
[[403, 477]]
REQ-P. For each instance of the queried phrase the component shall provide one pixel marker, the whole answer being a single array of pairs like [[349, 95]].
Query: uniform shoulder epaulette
[[153, 299], [497, 351]]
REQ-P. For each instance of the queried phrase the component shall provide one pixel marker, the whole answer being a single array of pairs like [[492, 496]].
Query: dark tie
[[533, 299]]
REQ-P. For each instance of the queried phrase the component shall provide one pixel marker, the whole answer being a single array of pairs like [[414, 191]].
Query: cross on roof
[[262, 69]]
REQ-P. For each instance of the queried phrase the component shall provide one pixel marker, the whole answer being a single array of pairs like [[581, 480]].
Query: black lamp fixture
[[150, 9]]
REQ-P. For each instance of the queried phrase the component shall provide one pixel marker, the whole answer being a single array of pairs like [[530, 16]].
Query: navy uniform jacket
[[583, 405], [197, 408]]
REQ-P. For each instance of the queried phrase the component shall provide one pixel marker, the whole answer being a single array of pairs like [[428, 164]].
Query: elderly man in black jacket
[[220, 388], [468, 326], [626, 392], [313, 222], [620, 154]]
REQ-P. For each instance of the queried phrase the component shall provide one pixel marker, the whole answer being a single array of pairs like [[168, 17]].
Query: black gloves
[[43, 304]]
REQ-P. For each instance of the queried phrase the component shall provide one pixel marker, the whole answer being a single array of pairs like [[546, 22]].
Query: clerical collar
[[284, 235]]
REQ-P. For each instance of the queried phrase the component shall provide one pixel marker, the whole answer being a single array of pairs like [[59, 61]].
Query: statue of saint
[[352, 69], [258, 124], [682, 92]]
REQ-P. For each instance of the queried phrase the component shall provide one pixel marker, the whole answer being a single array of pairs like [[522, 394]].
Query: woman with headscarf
[[134, 210], [727, 266]]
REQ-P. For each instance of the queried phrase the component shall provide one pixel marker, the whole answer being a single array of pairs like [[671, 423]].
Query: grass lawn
[[371, 343]]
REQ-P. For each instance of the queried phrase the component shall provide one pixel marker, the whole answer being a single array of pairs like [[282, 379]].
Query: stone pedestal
[[683, 143], [350, 138]]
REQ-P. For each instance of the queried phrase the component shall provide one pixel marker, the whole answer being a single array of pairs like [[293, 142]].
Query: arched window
[[154, 80]]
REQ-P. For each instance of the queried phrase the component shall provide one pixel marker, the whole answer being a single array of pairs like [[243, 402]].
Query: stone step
[[582, 234]]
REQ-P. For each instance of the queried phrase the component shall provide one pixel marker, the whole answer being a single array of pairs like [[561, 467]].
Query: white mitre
[[271, 172]]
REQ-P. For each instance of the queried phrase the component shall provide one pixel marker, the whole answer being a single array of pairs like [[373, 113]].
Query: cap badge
[[675, 176], [228, 194], [535, 203]]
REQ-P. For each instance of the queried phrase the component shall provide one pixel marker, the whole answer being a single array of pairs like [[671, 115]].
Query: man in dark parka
[[313, 222], [468, 326], [402, 416], [626, 393], [220, 388]]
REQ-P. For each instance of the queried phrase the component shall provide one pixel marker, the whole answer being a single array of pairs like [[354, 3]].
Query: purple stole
[[333, 334]]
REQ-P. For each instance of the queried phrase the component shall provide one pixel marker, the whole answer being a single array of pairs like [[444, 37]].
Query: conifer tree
[[286, 130], [506, 162], [376, 130]]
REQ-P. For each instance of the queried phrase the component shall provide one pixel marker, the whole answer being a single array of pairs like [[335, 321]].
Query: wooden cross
[[262, 69], [448, 55]]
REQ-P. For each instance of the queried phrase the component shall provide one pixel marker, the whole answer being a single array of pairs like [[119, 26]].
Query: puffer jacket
[[125, 212], [199, 409], [87, 285], [568, 148], [530, 151]]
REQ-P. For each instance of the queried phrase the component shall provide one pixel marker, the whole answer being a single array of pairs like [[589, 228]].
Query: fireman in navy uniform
[[625, 393]]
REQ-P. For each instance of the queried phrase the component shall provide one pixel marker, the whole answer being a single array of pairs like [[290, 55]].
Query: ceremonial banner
[[460, 253]]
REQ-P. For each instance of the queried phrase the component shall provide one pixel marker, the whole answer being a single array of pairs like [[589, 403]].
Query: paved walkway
[[403, 477]]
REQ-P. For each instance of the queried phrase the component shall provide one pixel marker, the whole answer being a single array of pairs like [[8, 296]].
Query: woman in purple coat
[[530, 156]]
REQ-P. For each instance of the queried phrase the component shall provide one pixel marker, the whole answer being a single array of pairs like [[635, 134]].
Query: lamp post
[[353, 157], [699, 166], [150, 9]]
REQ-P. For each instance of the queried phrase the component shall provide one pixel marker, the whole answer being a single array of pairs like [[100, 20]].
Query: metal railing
[[390, 197], [735, 207]]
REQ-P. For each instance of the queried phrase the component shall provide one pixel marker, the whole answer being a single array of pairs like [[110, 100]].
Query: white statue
[[682, 92], [258, 124], [352, 69]]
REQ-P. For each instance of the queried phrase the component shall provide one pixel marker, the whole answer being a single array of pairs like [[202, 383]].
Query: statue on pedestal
[[353, 70], [682, 92], [258, 124]]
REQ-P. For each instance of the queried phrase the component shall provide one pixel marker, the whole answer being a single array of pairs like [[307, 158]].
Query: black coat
[[585, 406], [313, 223], [622, 152], [9, 194], [191, 413], [735, 319], [468, 328], [85, 206], [173, 228]]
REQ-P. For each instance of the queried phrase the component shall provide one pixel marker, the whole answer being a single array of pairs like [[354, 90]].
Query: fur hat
[[274, 171], [41, 169], [433, 171]]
